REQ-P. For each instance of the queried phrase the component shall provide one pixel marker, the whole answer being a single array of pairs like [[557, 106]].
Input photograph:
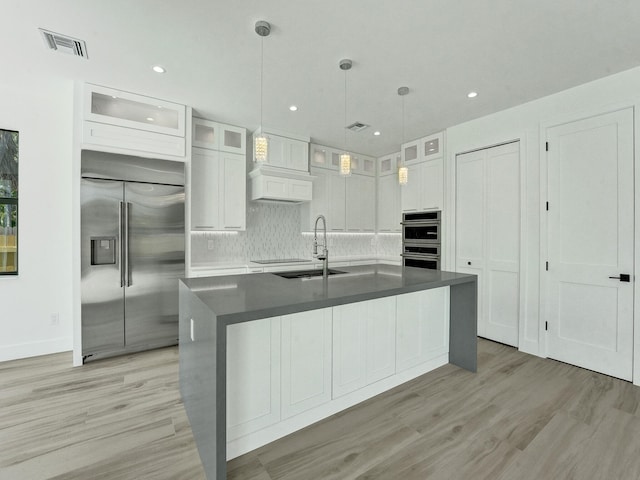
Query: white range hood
[[275, 184]]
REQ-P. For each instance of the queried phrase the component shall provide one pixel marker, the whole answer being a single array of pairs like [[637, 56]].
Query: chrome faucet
[[324, 256]]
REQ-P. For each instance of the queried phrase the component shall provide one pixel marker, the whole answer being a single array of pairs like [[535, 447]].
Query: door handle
[[127, 273], [121, 263], [624, 277]]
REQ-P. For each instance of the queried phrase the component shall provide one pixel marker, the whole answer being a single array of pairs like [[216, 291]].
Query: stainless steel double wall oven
[[421, 238]]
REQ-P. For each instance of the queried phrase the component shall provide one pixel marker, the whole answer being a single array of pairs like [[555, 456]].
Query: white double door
[[589, 309], [488, 235]]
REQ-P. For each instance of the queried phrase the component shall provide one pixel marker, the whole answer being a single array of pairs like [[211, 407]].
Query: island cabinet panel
[[253, 376], [306, 361], [422, 327], [363, 344]]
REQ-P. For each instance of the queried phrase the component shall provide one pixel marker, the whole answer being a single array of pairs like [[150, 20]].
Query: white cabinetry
[[360, 212], [253, 376], [306, 361], [218, 189], [425, 187], [363, 344], [488, 235], [286, 150], [422, 327], [217, 136], [124, 122], [389, 214], [348, 203]]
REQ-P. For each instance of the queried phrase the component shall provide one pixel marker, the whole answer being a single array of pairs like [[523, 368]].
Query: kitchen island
[[312, 320]]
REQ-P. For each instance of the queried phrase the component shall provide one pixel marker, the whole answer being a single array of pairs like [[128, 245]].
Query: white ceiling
[[510, 51]]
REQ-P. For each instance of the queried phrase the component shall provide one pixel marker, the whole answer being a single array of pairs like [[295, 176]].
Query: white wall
[[43, 116], [527, 123]]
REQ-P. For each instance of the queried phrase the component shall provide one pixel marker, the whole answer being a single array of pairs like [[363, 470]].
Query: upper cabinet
[[124, 122], [286, 151], [388, 211], [217, 136], [217, 176], [329, 158], [424, 159]]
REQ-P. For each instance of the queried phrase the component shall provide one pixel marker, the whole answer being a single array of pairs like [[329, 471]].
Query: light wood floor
[[520, 417]]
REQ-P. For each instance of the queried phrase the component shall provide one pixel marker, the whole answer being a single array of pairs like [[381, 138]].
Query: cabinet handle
[[205, 226], [233, 228]]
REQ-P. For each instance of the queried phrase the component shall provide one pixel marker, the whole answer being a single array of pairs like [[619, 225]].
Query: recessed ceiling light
[[150, 119], [472, 94], [158, 69], [293, 108], [376, 133]]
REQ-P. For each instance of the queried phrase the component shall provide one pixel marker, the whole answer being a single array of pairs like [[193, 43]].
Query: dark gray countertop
[[240, 298]]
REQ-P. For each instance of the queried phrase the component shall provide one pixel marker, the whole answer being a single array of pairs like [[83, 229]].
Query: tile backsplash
[[273, 231]]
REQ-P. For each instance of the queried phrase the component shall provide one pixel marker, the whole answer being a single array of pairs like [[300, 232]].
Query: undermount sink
[[306, 273]]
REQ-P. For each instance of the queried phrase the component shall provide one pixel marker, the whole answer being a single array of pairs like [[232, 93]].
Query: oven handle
[[421, 223], [420, 257]]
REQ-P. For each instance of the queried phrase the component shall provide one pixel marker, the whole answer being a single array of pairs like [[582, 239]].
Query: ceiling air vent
[[64, 43], [357, 126]]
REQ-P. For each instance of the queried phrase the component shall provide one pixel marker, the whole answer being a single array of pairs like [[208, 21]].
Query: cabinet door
[[381, 339], [233, 139], [115, 107], [363, 344], [411, 152], [389, 215], [319, 201], [233, 192], [349, 348], [277, 152], [431, 146], [306, 361], [422, 327], [253, 376], [205, 134], [336, 203], [411, 193], [297, 155], [360, 201], [432, 185], [205, 190]]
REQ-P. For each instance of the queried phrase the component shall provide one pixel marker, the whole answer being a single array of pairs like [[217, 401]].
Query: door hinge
[[546, 146], [546, 325], [546, 266], [547, 206]]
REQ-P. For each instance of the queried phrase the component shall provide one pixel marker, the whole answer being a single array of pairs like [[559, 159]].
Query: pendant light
[[403, 171], [345, 157], [261, 142]]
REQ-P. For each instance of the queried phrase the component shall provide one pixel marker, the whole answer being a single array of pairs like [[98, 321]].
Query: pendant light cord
[[261, 73], [345, 111], [403, 119]]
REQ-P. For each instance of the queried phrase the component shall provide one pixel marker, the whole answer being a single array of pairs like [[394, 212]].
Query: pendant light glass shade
[[403, 175], [345, 164], [403, 171], [260, 148], [261, 142]]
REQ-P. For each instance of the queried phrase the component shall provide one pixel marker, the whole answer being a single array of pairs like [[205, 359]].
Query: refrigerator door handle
[[128, 279], [121, 233]]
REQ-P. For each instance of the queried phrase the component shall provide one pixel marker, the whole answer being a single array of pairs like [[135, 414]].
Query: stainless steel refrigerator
[[132, 229]]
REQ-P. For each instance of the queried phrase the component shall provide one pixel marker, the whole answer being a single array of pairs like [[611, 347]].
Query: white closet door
[[488, 235], [470, 222], [590, 240], [502, 278]]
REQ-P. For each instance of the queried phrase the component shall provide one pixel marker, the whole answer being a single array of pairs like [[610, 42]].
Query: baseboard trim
[[35, 349]]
